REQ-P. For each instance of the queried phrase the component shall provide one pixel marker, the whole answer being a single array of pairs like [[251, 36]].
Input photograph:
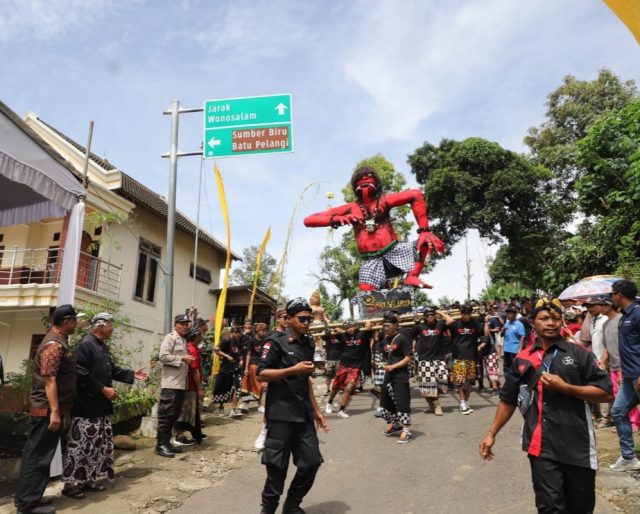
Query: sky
[[366, 77]]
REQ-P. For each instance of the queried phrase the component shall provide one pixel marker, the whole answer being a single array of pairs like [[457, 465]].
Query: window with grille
[[147, 272]]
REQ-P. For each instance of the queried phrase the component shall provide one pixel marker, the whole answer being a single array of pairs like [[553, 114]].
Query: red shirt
[[192, 349]]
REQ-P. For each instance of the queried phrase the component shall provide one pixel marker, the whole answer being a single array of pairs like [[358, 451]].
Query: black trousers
[[562, 488], [507, 360], [36, 461], [284, 439], [169, 407]]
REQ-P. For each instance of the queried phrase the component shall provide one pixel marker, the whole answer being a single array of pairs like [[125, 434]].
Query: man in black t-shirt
[[334, 346], [466, 333], [395, 399], [354, 351], [250, 383], [227, 382], [428, 338]]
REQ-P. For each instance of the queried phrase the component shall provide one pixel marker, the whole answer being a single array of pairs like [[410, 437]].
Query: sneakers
[[183, 440], [342, 414], [244, 408], [328, 409], [261, 409], [378, 413], [464, 409], [233, 413], [623, 464], [259, 444]]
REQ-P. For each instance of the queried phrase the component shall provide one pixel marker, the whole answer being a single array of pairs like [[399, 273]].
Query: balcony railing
[[44, 265]]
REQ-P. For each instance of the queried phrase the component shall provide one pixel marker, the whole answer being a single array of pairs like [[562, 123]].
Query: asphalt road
[[440, 471]]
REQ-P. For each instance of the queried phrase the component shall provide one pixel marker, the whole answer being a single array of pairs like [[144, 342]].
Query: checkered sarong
[[226, 384], [390, 413], [378, 373], [433, 376], [491, 363], [393, 262]]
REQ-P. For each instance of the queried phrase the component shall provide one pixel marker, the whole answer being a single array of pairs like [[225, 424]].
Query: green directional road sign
[[240, 126]]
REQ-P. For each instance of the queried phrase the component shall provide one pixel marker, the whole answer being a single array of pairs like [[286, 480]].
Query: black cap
[[181, 318], [390, 317], [511, 308], [297, 305], [199, 322], [63, 312], [466, 309], [193, 334], [429, 311]]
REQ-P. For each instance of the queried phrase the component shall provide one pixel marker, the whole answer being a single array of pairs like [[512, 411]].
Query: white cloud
[[408, 73], [44, 19], [246, 29]]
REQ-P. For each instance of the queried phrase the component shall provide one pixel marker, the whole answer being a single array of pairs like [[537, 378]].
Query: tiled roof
[[135, 191], [138, 193], [259, 293]]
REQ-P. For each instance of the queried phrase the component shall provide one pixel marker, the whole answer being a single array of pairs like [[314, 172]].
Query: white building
[[122, 264]]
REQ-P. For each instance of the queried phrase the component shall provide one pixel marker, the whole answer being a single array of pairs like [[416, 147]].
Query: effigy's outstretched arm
[[427, 242], [341, 215]]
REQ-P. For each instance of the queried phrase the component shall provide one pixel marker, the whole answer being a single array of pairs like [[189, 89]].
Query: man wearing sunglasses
[[559, 379], [286, 363]]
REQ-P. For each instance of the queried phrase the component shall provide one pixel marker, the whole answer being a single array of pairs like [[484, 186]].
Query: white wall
[[16, 329], [147, 320]]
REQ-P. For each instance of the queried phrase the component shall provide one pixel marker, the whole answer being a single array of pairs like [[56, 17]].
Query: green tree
[[572, 108], [331, 303], [244, 274], [498, 290], [477, 184], [608, 194], [421, 298], [339, 264]]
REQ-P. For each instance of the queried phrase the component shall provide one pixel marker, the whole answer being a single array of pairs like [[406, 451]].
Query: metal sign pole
[[171, 217], [173, 156]]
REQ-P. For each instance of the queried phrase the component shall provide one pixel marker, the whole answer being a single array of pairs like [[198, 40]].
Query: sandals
[[407, 438], [94, 488], [75, 493], [392, 431]]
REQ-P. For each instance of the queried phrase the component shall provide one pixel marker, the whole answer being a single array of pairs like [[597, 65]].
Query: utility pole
[[468, 261], [173, 156]]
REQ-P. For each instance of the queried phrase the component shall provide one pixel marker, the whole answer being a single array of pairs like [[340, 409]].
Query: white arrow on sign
[[213, 142], [281, 108]]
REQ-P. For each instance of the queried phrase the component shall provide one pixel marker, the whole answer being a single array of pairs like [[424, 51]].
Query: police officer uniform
[[290, 423]]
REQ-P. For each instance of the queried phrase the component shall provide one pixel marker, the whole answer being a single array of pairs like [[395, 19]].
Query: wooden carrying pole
[[406, 320]]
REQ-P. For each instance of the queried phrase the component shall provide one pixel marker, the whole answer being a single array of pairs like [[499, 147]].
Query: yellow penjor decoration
[[256, 275], [225, 283], [629, 12]]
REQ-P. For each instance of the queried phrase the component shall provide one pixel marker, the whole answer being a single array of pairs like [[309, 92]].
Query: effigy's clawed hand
[[349, 219], [432, 242]]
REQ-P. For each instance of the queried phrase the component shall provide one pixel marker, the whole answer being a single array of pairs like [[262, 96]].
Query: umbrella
[[598, 285]]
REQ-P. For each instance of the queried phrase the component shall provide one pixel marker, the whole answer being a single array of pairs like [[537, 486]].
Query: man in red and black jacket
[[558, 433]]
